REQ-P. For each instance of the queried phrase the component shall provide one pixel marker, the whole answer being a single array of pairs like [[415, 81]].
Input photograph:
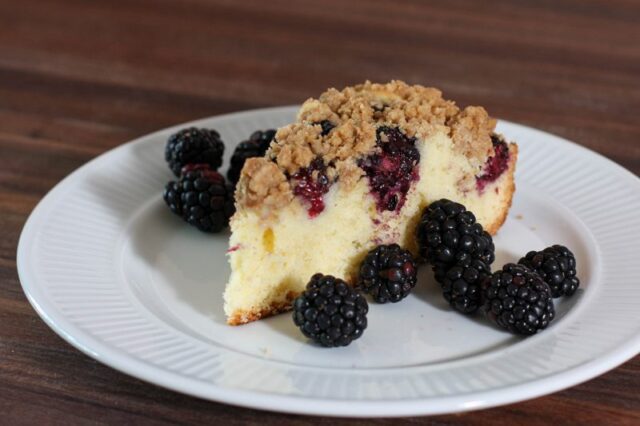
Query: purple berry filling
[[311, 183], [495, 166], [392, 170]]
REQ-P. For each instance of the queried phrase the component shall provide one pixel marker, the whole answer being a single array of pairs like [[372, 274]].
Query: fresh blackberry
[[388, 273], [330, 312], [263, 138], [201, 197], [255, 146], [447, 228], [517, 299], [194, 146], [461, 283], [557, 267]]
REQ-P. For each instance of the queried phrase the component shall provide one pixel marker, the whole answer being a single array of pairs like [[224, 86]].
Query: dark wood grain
[[78, 78]]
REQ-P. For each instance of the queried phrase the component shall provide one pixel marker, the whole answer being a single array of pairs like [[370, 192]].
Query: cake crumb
[[471, 131], [296, 146], [262, 185], [519, 217], [349, 173]]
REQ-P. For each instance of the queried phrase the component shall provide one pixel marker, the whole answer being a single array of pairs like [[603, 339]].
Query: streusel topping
[[262, 185], [471, 131], [354, 114]]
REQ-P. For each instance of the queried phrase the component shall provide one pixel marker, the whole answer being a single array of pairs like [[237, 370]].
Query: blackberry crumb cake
[[353, 172]]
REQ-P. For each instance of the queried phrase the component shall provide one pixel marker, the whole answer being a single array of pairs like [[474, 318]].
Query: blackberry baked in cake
[[353, 172]]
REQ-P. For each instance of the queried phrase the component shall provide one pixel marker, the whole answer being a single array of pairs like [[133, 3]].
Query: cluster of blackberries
[[518, 297], [201, 196], [460, 251]]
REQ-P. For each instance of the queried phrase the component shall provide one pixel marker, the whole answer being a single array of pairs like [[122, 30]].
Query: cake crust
[[243, 317]]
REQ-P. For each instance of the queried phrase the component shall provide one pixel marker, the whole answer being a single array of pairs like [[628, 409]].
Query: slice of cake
[[354, 171]]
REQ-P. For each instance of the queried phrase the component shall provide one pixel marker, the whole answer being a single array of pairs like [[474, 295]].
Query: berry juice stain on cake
[[311, 183], [495, 166], [392, 170], [234, 248]]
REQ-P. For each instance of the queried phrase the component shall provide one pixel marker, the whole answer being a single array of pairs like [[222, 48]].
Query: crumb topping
[[349, 172], [262, 185], [356, 112], [471, 131]]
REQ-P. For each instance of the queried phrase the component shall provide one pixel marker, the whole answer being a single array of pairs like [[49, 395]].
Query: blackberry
[[201, 197], [461, 283], [517, 299], [557, 267], [495, 165], [194, 146], [391, 169], [327, 127], [388, 273], [447, 228], [330, 312], [255, 146], [311, 183]]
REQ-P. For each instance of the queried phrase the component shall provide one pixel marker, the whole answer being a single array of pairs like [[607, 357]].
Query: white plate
[[112, 271]]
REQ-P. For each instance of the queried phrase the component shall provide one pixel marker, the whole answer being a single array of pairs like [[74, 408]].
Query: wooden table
[[80, 77]]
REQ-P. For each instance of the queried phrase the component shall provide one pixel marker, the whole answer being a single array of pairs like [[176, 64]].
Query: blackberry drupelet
[[461, 283], [488, 254], [194, 146], [255, 146], [201, 197], [330, 312], [517, 299], [388, 273], [447, 228], [557, 267], [173, 196]]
